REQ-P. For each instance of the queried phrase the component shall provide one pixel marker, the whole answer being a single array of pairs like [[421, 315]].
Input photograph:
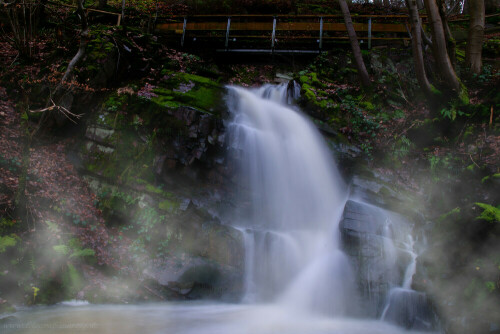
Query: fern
[[61, 249], [82, 253], [52, 226], [490, 213], [32, 264]]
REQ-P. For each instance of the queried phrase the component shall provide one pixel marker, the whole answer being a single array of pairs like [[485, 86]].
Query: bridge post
[[274, 33], [320, 33], [183, 32], [369, 33], [227, 32]]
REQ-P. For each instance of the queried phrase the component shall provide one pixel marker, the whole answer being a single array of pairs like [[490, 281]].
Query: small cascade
[[412, 267], [406, 307], [409, 309]]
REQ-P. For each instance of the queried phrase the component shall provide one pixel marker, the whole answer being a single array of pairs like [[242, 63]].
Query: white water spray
[[295, 197]]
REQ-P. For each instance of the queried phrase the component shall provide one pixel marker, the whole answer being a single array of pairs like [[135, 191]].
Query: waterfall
[[294, 199]]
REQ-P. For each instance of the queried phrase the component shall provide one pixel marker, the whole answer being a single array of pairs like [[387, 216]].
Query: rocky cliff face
[[157, 165]]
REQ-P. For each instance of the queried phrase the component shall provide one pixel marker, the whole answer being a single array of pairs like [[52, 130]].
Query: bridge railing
[[307, 33]]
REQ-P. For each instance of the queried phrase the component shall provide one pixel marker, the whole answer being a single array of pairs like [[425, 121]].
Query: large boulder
[[376, 242]]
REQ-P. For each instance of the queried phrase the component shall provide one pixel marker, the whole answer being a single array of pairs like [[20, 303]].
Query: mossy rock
[[182, 89], [168, 205]]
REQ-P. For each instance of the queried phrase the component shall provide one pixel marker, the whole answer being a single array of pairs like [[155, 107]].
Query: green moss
[[304, 79], [153, 189], [308, 93], [168, 205], [367, 105], [464, 94], [314, 79], [203, 97], [435, 91]]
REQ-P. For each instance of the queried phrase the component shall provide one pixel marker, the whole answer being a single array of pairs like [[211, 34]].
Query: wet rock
[[99, 134], [410, 309], [375, 241], [199, 278]]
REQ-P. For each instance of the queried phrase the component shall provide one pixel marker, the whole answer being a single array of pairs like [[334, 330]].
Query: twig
[[401, 88], [470, 156], [61, 109]]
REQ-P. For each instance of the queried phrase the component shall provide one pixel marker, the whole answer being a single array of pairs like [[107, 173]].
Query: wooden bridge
[[281, 34]]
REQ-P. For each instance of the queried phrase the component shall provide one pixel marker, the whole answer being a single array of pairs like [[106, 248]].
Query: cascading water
[[295, 197]]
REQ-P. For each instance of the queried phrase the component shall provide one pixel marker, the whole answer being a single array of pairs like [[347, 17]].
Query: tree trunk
[[441, 57], [83, 42], [387, 3], [475, 36], [416, 42], [123, 12], [450, 41], [360, 64]]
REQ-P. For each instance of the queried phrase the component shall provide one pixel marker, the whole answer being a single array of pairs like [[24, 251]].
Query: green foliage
[[491, 47], [147, 219], [490, 213], [61, 249], [53, 228], [490, 177], [72, 280], [451, 213], [364, 126], [491, 286], [457, 108], [447, 166], [79, 253], [8, 241], [487, 74], [73, 249], [7, 224], [401, 147]]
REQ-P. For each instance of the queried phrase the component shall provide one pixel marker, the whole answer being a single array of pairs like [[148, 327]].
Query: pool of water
[[183, 318]]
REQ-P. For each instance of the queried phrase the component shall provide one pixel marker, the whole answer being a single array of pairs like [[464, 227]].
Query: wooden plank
[[387, 27]]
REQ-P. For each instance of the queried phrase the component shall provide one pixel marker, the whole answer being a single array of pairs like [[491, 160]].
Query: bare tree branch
[[68, 114]]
